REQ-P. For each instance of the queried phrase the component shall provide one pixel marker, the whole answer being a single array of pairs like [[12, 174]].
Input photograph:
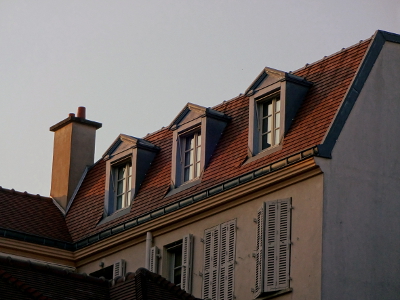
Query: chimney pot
[[71, 115], [81, 112]]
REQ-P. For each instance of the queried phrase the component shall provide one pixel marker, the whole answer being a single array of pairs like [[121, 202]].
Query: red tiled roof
[[331, 78], [32, 214], [22, 279], [144, 284]]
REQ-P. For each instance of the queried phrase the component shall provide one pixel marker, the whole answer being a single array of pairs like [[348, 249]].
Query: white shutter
[[119, 268], [258, 289], [270, 246], [283, 240], [187, 254], [277, 245], [227, 260], [211, 263], [153, 265]]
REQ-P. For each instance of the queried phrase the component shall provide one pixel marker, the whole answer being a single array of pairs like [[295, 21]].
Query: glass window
[[175, 263], [122, 185], [191, 156], [270, 119]]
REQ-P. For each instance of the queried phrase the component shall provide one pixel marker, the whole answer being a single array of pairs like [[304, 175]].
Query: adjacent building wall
[[361, 227], [306, 237]]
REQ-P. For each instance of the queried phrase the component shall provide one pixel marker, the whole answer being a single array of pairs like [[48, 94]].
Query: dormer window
[[128, 160], [275, 97], [122, 185], [196, 134]]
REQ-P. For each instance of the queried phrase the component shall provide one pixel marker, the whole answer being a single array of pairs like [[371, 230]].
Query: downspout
[[149, 242]]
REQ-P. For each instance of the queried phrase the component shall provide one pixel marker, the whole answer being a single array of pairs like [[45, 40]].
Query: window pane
[[277, 137], [129, 170], [198, 154], [266, 140], [121, 171], [188, 173], [270, 109], [128, 198], [119, 202], [120, 187], [178, 258], [189, 158], [189, 142], [177, 276], [198, 169], [265, 125], [277, 105], [277, 120], [199, 139]]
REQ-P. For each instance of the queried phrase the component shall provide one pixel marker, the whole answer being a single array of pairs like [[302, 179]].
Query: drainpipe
[[149, 242]]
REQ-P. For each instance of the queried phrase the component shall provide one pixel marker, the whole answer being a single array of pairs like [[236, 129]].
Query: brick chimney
[[74, 145]]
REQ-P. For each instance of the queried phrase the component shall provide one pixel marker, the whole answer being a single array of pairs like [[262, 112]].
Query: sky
[[135, 64]]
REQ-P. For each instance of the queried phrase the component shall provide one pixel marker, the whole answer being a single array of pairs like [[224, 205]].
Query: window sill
[[115, 215], [183, 187], [272, 295], [263, 153]]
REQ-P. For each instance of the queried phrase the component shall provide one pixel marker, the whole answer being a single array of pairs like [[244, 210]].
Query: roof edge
[[364, 69]]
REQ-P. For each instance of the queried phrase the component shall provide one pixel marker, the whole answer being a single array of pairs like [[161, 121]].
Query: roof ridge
[[307, 65], [12, 191]]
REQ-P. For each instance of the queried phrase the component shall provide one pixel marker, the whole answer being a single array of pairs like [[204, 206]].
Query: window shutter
[[153, 259], [187, 251], [227, 260], [270, 246], [283, 241], [211, 262], [119, 268], [258, 289]]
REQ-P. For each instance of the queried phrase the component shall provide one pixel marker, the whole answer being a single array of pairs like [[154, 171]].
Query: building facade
[[288, 191]]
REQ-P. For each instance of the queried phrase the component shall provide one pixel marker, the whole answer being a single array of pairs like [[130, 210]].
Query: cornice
[[40, 252], [200, 210]]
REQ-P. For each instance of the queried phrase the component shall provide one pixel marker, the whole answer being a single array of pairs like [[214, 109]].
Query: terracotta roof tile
[[32, 214]]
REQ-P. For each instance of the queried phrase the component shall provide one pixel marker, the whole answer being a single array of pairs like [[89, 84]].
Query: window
[[179, 262], [273, 247], [269, 122], [175, 263], [197, 131], [110, 272], [127, 162], [219, 261], [191, 153], [274, 99], [122, 185]]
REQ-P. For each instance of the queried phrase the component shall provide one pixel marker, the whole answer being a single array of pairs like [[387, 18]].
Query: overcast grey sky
[[135, 64]]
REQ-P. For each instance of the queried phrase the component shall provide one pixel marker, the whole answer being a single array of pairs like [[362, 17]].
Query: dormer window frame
[[257, 99], [208, 125], [190, 155], [138, 154], [291, 89], [122, 184]]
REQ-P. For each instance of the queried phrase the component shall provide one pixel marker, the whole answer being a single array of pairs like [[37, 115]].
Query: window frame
[[261, 102], [127, 184], [172, 250], [195, 157]]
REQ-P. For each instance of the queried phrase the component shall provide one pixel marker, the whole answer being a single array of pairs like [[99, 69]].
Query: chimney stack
[[74, 145]]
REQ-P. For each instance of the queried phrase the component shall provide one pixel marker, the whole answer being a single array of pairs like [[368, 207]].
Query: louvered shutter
[[258, 289], [283, 240], [119, 268], [227, 260], [187, 251], [270, 246], [211, 263], [153, 265]]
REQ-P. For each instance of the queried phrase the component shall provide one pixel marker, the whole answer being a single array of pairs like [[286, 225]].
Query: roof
[[336, 82], [24, 279], [331, 78], [31, 214]]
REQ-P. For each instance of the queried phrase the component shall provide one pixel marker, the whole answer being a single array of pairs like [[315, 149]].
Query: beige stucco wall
[[306, 237]]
